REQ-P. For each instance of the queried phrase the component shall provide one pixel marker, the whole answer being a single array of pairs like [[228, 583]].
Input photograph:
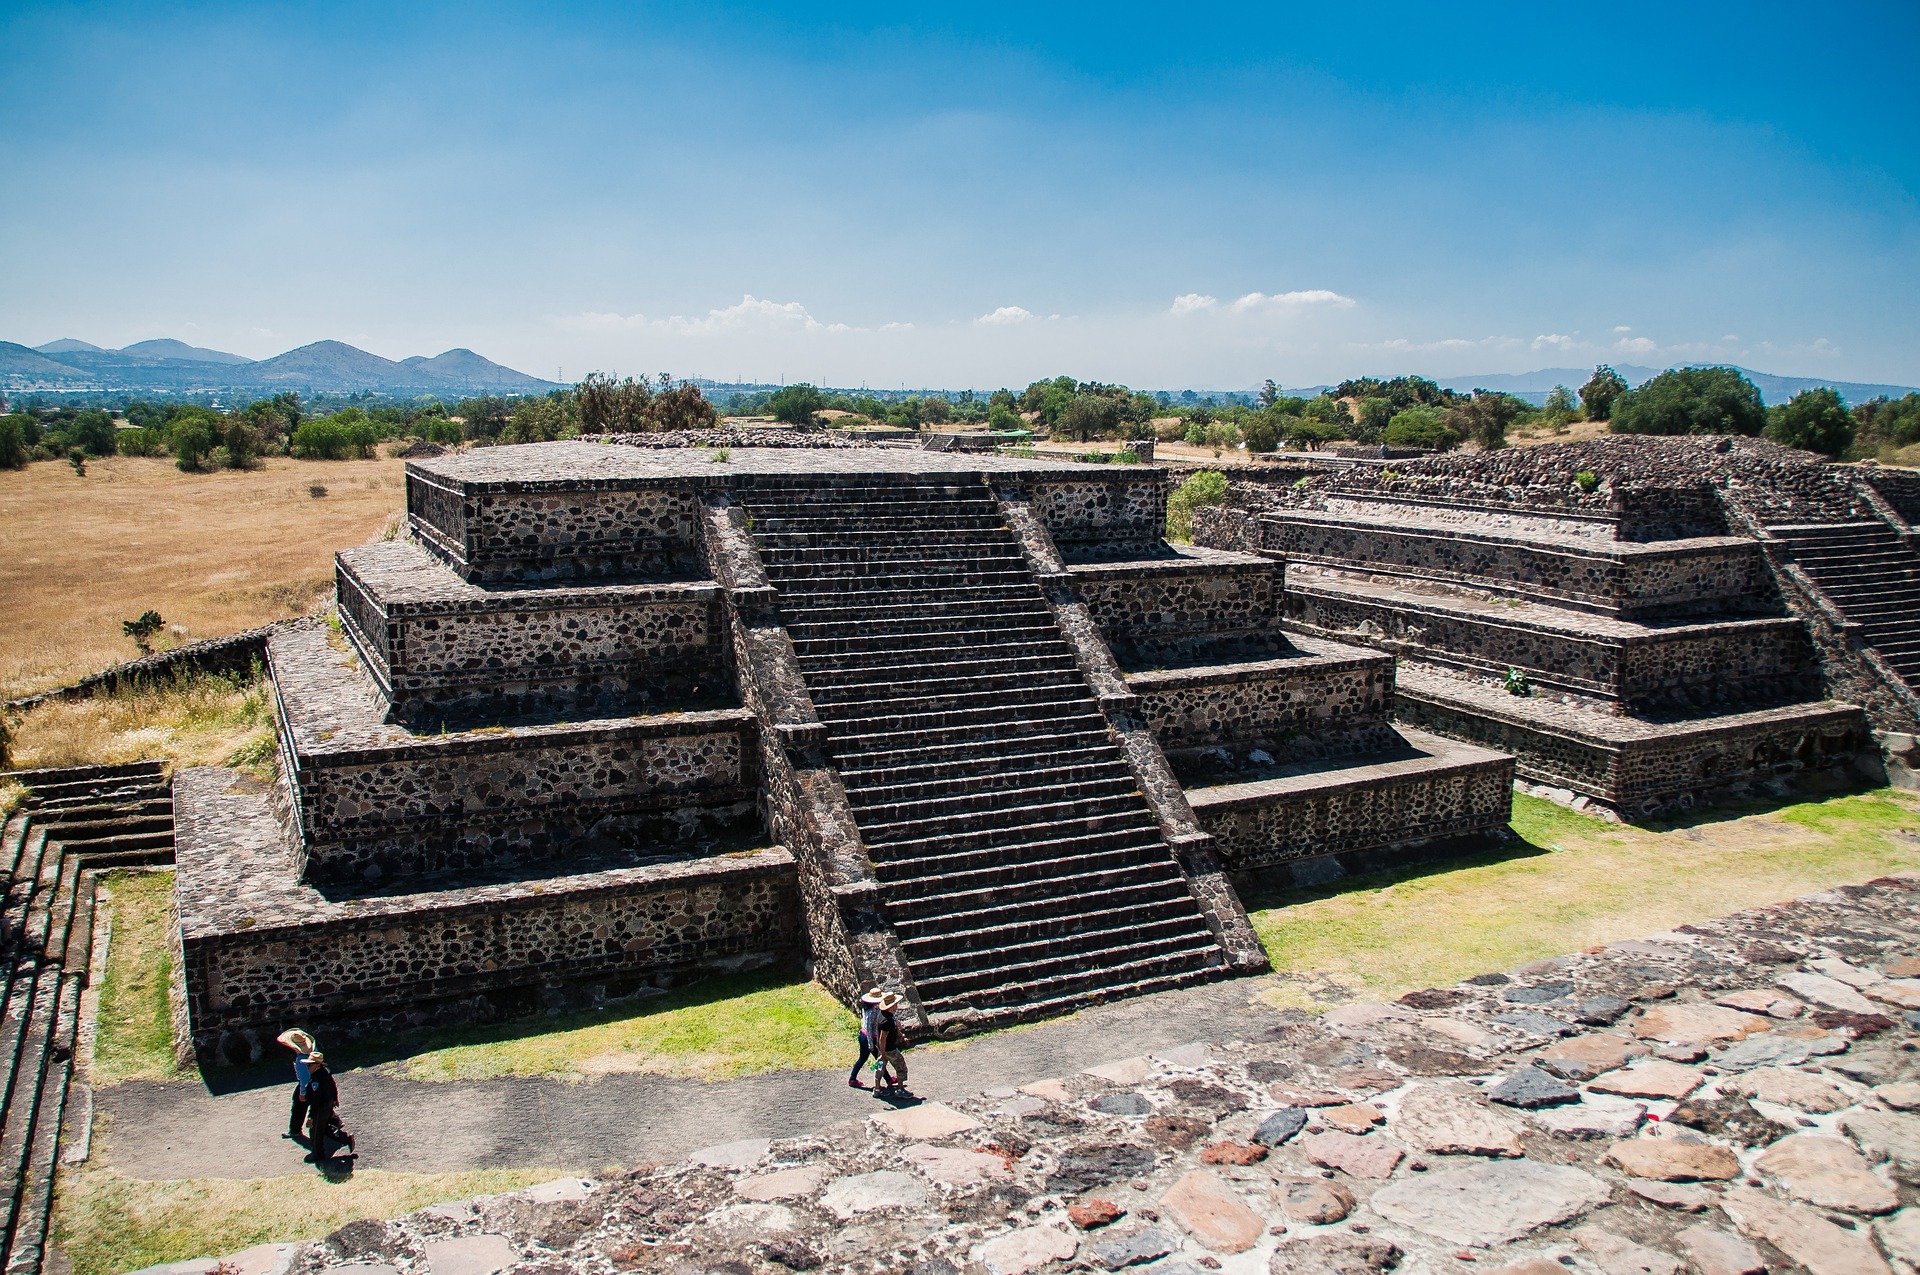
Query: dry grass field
[[212, 553]]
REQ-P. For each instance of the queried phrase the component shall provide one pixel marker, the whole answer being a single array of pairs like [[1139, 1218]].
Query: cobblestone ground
[[1733, 1097]]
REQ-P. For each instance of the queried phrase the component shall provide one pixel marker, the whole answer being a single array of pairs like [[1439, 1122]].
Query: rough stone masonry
[[1729, 1098]]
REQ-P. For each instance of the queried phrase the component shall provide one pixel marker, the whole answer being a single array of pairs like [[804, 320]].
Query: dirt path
[[163, 1131]]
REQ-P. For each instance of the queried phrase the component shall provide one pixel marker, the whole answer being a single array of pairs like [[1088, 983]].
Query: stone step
[[852, 606], [27, 1239], [1007, 620], [92, 796], [1101, 932], [1023, 864], [863, 560], [941, 666], [999, 813], [1044, 754], [841, 651], [868, 747], [1049, 996], [1062, 909], [877, 701], [1045, 895], [816, 592], [854, 539], [973, 795], [13, 839], [914, 761], [1003, 973], [787, 529], [93, 827], [929, 950]]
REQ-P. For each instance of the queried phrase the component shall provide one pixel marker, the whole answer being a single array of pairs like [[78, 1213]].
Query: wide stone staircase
[[74, 823], [1872, 576], [1020, 864]]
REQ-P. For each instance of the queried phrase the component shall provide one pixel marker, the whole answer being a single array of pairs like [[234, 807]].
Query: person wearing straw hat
[[869, 1026], [888, 1042], [303, 1046]]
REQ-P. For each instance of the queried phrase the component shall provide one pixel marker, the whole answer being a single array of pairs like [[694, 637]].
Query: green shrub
[[1126, 456], [190, 439], [1262, 433], [1691, 400], [321, 439], [142, 441], [1421, 427], [443, 431], [1586, 480], [1207, 487], [13, 443], [1196, 435], [1814, 420], [1517, 683]]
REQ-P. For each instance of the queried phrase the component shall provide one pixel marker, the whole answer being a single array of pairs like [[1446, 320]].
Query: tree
[[1206, 487], [1691, 400], [242, 442], [13, 443], [1002, 417], [1601, 391], [1486, 417], [141, 630], [1814, 420], [796, 405], [683, 407], [191, 437], [935, 410], [1375, 413], [1262, 432], [1888, 422], [608, 406], [1269, 395], [1091, 415], [1560, 403], [1421, 427], [93, 432], [286, 405]]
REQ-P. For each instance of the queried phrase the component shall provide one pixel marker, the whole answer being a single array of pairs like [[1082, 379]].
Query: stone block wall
[[1173, 608], [508, 532], [523, 649], [1119, 516], [1660, 770], [259, 952], [1735, 661], [1630, 581], [1372, 811], [1271, 703]]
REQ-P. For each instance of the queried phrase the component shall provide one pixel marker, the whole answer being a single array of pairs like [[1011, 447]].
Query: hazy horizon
[[769, 193]]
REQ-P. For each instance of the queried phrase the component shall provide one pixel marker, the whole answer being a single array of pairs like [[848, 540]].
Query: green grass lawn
[[107, 1224], [1575, 882], [134, 1028]]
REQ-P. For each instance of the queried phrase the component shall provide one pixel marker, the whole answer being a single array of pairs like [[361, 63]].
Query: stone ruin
[[1644, 623], [963, 726], [968, 727]]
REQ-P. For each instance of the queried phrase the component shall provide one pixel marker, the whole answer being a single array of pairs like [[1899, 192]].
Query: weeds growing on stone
[[191, 719]]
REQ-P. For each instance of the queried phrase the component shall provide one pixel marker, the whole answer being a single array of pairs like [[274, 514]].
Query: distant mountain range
[[167, 366]]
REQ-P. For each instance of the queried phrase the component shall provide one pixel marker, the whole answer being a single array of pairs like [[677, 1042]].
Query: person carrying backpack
[[889, 1042], [303, 1046], [323, 1108]]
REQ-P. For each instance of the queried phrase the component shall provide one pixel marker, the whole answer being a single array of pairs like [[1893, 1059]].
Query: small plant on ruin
[[1586, 480], [1517, 683], [1126, 456], [1207, 487], [141, 630], [1298, 483], [720, 456]]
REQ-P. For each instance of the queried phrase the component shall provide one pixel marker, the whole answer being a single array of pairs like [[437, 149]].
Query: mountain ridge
[[168, 366]]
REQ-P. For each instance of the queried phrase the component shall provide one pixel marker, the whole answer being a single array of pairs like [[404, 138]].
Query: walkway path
[[180, 1130]]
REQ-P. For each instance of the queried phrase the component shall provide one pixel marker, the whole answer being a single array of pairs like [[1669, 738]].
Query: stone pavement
[[1739, 1096]]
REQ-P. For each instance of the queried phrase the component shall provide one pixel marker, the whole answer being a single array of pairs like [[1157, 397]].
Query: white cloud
[[1007, 314], [1189, 302], [1730, 338], [1635, 345], [896, 327], [1624, 327], [1292, 300], [1554, 340], [751, 314]]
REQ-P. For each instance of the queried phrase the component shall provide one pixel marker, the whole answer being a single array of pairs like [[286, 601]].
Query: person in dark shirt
[[323, 1108], [303, 1047]]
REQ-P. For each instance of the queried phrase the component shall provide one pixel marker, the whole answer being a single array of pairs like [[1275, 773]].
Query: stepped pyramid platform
[[1631, 639], [960, 725]]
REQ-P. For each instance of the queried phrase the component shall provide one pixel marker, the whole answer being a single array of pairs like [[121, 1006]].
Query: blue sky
[[862, 194]]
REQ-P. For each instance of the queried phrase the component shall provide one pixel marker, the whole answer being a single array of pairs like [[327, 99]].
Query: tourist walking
[[303, 1047], [323, 1108], [869, 1020], [889, 1042]]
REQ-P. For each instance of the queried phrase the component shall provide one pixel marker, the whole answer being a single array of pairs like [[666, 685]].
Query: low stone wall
[[237, 654], [504, 532], [260, 952], [1731, 662], [1653, 769], [1431, 794], [1169, 607], [1120, 514], [1270, 703], [1715, 574], [436, 642]]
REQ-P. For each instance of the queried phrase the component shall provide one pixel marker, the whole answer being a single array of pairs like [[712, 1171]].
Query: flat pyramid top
[[580, 461]]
